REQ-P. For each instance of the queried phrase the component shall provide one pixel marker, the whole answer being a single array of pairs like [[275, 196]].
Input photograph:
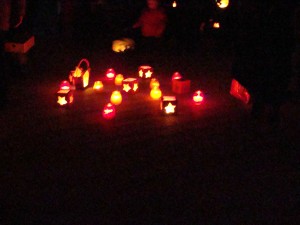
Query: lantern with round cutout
[[81, 75], [110, 74], [198, 97], [98, 85], [116, 98], [109, 111], [65, 85], [130, 85], [145, 72], [176, 76], [64, 97], [155, 93], [168, 105], [119, 79], [154, 83]]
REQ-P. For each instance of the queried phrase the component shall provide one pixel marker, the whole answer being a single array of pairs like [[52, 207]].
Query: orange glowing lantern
[[119, 79], [110, 74], [216, 25], [239, 91], [145, 71], [198, 97], [98, 85], [154, 83], [123, 44], [130, 85], [174, 4], [116, 98], [222, 3], [176, 76], [109, 111], [155, 93], [65, 85], [168, 105], [64, 97], [81, 75]]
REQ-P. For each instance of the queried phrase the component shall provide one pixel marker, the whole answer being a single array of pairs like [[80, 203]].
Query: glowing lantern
[[181, 86], [145, 71], [130, 85], [109, 111], [64, 97], [198, 97], [110, 74], [174, 4], [168, 105], [239, 91], [81, 75], [154, 83], [216, 25], [155, 93], [222, 3], [116, 98], [65, 85], [176, 76], [123, 45], [119, 79], [98, 85]]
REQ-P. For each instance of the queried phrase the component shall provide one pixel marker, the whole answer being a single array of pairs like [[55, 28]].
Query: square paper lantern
[[181, 86], [81, 75], [145, 72], [64, 97], [130, 85], [168, 105], [239, 91]]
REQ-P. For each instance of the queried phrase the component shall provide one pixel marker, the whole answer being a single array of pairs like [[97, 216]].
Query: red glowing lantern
[[145, 72], [109, 111], [181, 86], [116, 98], [81, 75], [130, 85], [176, 76], [239, 91], [98, 85], [155, 93], [168, 105], [198, 97], [64, 97], [65, 85], [110, 74]]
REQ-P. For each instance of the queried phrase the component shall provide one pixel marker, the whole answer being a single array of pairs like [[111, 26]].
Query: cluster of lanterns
[[79, 79]]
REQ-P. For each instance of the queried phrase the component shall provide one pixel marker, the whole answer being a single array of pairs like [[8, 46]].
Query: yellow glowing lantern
[[198, 97], [65, 85], [155, 93], [81, 75], [145, 71], [64, 97], [110, 74], [176, 76], [168, 105], [116, 98], [109, 111], [123, 44], [98, 85], [174, 4], [130, 85], [154, 83], [222, 3], [119, 79]]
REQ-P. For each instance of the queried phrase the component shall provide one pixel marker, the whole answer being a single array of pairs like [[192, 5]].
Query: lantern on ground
[[116, 98], [110, 74], [181, 86], [119, 79], [216, 25], [222, 3], [176, 76], [174, 4], [239, 91], [64, 97], [81, 75], [109, 111], [154, 83], [168, 105], [155, 93], [98, 85], [65, 85], [145, 71], [130, 85], [198, 97]]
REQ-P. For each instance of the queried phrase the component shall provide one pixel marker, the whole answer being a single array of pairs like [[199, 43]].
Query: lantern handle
[[86, 62]]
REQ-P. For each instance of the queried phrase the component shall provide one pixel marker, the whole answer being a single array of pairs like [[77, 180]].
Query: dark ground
[[210, 164]]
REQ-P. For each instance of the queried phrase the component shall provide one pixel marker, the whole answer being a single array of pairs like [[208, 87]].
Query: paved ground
[[210, 164]]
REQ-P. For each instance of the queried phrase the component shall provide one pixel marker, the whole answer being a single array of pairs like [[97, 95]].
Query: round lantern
[[198, 97], [154, 83], [176, 76], [155, 93], [222, 3], [116, 98], [119, 79], [110, 73], [109, 111], [98, 85], [65, 85]]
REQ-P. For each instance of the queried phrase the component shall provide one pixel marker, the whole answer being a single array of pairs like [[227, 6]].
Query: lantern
[[123, 45], [154, 83], [109, 111], [116, 98], [98, 85], [65, 85], [168, 105], [239, 91], [216, 25], [198, 97], [181, 86], [110, 74], [130, 85], [222, 3], [155, 93], [145, 71], [176, 76], [81, 75], [64, 97], [119, 79], [174, 4]]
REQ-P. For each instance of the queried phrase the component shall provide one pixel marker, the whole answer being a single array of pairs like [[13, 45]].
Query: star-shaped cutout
[[170, 108], [135, 86], [148, 74], [141, 73], [126, 87], [62, 100]]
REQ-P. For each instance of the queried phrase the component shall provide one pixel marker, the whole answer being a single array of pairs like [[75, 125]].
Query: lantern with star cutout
[[98, 85], [110, 74], [81, 75], [116, 98], [168, 105], [145, 72], [198, 97], [109, 111], [64, 97], [130, 85]]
